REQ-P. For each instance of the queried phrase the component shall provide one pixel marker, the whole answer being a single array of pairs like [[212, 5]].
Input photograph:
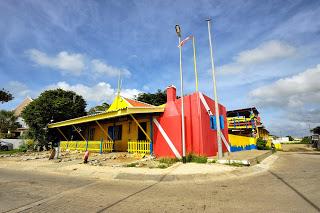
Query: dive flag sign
[[185, 40]]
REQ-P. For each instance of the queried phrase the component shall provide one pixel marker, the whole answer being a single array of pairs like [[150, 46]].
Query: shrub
[[306, 140], [23, 147], [196, 159], [261, 144]]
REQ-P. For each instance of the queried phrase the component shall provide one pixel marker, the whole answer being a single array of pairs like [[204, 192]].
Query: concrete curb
[[248, 162], [236, 173]]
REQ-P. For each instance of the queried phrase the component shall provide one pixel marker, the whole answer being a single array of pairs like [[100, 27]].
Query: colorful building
[[133, 126], [245, 127]]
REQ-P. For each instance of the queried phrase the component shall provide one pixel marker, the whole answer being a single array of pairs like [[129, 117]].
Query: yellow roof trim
[[107, 115]]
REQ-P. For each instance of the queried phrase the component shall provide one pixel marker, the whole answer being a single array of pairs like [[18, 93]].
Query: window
[[91, 134], [115, 132]]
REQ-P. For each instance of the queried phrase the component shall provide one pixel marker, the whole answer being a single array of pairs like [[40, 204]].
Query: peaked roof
[[21, 106], [136, 103], [120, 107], [121, 103]]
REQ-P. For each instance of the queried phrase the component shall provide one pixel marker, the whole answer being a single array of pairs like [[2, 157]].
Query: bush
[[306, 140], [30, 143], [27, 145], [262, 144], [196, 159], [23, 147]]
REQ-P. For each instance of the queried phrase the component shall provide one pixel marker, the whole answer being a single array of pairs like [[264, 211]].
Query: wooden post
[[144, 132]]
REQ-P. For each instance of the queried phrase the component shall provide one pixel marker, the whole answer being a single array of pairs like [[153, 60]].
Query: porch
[[136, 146], [123, 128]]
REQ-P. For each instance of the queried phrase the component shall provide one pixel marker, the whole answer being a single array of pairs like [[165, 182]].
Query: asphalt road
[[292, 184]]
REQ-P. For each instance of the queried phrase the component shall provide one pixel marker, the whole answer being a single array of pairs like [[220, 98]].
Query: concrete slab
[[248, 157]]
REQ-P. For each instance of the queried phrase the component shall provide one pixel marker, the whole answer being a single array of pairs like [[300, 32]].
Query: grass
[[132, 165], [236, 164], [10, 151], [169, 161], [212, 161], [162, 166], [196, 159], [166, 162]]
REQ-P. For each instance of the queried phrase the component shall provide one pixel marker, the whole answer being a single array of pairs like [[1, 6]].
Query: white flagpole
[[215, 94], [178, 31]]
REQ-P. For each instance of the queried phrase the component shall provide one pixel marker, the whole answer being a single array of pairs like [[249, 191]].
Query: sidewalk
[[248, 157], [177, 172]]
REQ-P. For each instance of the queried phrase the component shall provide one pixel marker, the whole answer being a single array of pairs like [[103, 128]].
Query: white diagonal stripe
[[167, 139]]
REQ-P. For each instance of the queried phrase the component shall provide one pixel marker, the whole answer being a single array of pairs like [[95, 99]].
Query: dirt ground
[[297, 147], [114, 159]]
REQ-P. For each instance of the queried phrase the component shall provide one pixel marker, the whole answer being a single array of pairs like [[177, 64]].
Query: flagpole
[[178, 31], [195, 62], [215, 94]]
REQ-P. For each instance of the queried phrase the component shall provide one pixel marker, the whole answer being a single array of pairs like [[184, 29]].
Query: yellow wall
[[262, 133], [241, 141], [126, 135]]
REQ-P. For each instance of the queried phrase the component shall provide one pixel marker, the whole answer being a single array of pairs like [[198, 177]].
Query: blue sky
[[266, 54]]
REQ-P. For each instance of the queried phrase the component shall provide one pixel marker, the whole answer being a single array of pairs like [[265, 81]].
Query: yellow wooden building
[[125, 126]]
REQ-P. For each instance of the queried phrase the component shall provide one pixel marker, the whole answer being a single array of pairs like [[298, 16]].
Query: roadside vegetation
[[51, 106], [237, 164], [196, 159], [9, 152], [262, 144]]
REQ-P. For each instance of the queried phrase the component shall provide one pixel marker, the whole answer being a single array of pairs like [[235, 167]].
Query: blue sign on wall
[[213, 122]]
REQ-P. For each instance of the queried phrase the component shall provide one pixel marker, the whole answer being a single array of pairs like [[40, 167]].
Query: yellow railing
[[236, 119], [139, 146], [94, 146]]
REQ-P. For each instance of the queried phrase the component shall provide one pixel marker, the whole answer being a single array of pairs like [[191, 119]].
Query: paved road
[[291, 185]]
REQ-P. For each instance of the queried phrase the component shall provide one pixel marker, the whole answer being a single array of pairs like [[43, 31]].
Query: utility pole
[[178, 31], [220, 154]]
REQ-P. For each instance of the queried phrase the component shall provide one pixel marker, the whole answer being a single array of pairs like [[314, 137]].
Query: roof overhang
[[107, 115]]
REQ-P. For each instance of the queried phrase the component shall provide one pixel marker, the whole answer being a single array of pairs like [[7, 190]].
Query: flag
[[185, 40]]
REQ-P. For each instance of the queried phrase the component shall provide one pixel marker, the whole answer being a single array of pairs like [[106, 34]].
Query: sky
[[266, 54]]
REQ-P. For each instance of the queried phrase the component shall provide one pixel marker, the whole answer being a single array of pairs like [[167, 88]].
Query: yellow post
[[63, 134], [144, 132], [104, 131], [195, 62], [79, 133]]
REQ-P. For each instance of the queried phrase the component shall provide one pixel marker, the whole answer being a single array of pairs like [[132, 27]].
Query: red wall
[[200, 139]]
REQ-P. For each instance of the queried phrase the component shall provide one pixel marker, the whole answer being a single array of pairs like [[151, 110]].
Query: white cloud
[[75, 63], [18, 89], [98, 93], [294, 91], [64, 61], [265, 52], [130, 93], [100, 67]]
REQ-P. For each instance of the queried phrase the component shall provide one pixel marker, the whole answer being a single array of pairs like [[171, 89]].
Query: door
[[141, 135]]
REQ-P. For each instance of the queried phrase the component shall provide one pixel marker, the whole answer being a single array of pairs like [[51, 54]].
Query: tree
[[100, 108], [158, 98], [290, 138], [5, 96], [52, 105], [316, 130], [8, 122]]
